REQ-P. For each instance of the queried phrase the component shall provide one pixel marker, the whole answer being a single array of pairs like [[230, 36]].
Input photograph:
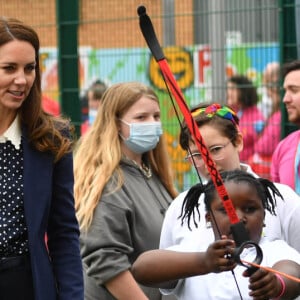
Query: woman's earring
[[208, 224]]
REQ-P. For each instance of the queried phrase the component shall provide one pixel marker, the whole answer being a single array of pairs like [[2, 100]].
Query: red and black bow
[[237, 227]]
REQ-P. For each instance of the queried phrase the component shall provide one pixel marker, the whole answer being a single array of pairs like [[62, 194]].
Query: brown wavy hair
[[45, 132]]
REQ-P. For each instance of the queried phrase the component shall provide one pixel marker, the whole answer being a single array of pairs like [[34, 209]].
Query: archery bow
[[237, 227]]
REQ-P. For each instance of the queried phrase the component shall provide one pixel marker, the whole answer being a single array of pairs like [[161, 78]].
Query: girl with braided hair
[[219, 128], [265, 189], [194, 275]]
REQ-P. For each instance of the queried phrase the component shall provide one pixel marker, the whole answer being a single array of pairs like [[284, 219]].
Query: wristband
[[283, 286]]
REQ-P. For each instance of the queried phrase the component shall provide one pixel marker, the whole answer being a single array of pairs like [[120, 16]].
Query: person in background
[[243, 98], [123, 185], [265, 105], [36, 180], [285, 167], [271, 82], [270, 136], [94, 96], [50, 106], [177, 272]]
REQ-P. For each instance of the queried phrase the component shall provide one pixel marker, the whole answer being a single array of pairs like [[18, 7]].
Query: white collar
[[248, 169], [13, 133]]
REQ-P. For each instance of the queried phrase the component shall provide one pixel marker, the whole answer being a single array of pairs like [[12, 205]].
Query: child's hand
[[219, 256], [264, 285]]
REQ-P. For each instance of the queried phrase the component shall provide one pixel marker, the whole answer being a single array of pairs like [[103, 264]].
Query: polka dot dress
[[13, 230]]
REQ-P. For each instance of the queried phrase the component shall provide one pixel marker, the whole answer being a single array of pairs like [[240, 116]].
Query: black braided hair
[[190, 204], [266, 191]]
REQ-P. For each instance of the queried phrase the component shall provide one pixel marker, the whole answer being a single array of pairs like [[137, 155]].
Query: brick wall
[[38, 13], [103, 23]]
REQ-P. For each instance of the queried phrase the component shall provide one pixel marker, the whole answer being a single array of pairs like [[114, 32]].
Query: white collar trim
[[13, 134]]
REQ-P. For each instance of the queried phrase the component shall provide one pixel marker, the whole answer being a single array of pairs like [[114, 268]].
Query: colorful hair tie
[[219, 110]]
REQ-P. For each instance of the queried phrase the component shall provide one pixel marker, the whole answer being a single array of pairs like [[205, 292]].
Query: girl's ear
[[239, 142], [207, 217], [208, 220], [118, 123]]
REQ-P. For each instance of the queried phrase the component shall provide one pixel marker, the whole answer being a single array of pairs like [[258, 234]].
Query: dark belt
[[10, 262]]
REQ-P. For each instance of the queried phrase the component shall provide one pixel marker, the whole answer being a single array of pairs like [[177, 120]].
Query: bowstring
[[181, 126]]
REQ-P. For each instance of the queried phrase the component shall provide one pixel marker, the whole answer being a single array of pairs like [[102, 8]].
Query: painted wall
[[190, 66]]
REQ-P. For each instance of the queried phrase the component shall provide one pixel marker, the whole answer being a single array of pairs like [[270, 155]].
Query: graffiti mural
[[190, 66], [181, 65]]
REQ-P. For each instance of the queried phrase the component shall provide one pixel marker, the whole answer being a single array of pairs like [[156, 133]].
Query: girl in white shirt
[[192, 275]]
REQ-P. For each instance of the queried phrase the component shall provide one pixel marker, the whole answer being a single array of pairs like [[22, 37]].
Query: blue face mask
[[143, 137]]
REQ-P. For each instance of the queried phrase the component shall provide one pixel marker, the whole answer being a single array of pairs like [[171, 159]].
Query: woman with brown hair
[[36, 181]]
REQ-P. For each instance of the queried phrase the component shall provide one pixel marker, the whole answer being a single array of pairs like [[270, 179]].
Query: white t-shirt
[[178, 237], [285, 225], [222, 286]]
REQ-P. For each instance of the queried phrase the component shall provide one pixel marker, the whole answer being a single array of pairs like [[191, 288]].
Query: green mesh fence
[[205, 42]]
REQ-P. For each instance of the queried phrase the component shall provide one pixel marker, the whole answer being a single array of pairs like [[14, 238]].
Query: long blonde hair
[[99, 153]]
